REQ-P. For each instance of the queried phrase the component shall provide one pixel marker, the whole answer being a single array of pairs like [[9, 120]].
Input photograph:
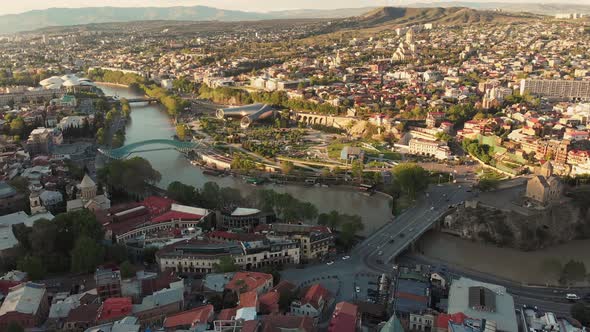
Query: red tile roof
[[269, 302], [114, 308], [249, 281], [279, 323], [190, 318], [344, 318], [227, 314], [249, 300], [157, 204], [314, 294], [250, 326], [175, 215], [6, 285], [442, 321]]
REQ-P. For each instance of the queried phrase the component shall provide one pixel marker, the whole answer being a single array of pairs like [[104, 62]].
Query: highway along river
[[150, 121]]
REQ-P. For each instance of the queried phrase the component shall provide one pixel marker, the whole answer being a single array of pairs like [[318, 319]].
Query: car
[[572, 297], [380, 253], [379, 261], [358, 289], [432, 208], [345, 258], [460, 186], [401, 235], [391, 241], [411, 229], [330, 263]]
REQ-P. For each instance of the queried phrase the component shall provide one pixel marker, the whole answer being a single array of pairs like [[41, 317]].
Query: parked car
[[572, 297]]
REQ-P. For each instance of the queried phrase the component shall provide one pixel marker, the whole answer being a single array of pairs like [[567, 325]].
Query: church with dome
[[87, 197], [407, 48], [544, 188]]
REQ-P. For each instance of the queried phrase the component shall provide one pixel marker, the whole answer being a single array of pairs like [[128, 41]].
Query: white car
[[345, 258], [358, 289], [330, 263], [432, 208], [572, 297]]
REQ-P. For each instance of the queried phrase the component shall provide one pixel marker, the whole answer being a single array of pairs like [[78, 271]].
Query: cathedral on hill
[[407, 48]]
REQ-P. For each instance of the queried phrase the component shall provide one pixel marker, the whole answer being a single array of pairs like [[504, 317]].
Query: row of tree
[[70, 242]]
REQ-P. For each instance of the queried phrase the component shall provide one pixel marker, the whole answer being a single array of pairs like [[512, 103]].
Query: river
[[150, 121]]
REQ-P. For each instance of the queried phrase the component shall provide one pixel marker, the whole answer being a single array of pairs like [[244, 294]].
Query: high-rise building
[[556, 88]]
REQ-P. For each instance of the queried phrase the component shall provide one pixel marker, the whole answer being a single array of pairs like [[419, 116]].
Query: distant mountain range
[[37, 19]]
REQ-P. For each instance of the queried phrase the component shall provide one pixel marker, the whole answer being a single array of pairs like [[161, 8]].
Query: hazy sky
[[17, 6]]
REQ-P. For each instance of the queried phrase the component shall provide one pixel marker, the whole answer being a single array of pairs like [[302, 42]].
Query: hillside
[[536, 8], [437, 15]]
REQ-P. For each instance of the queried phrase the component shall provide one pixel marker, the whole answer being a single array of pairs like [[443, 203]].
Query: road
[[545, 298], [377, 254], [363, 258]]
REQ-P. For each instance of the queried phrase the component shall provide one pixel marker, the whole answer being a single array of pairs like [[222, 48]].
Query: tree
[[349, 230], [181, 131], [411, 177], [131, 175], [116, 253], [274, 271], [149, 255], [22, 234], [86, 255], [287, 167], [285, 299], [487, 184], [127, 270], [20, 184], [211, 194], [17, 125], [226, 264], [100, 136], [574, 271], [357, 167], [551, 268], [182, 193], [33, 266], [581, 313], [14, 327], [331, 219]]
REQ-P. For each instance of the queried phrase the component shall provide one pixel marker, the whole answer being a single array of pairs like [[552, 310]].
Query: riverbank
[[112, 84], [150, 121], [511, 264]]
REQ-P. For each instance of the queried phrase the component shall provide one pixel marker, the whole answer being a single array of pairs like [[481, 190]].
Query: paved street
[[377, 254]]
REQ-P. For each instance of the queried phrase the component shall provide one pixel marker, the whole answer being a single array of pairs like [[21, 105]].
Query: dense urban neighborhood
[[293, 174]]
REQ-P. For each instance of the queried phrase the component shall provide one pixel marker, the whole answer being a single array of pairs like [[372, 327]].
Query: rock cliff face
[[534, 230]]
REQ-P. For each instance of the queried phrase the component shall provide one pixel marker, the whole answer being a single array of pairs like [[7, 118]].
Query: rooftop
[[24, 298], [115, 307], [474, 299], [6, 190], [248, 280], [193, 317]]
